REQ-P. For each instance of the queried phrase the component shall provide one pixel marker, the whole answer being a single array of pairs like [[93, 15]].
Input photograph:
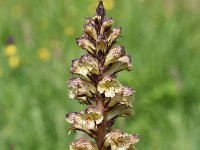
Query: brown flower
[[85, 66], [119, 140], [83, 144]]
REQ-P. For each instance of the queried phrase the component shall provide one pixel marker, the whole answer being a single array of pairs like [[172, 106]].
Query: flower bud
[[114, 35], [119, 140], [80, 88], [114, 54], [83, 144], [86, 44], [85, 66], [109, 86], [100, 11]]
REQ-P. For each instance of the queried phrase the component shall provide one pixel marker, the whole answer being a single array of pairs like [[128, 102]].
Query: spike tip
[[100, 11]]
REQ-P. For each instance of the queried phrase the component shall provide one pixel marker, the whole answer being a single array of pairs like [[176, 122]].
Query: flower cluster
[[95, 85], [12, 55]]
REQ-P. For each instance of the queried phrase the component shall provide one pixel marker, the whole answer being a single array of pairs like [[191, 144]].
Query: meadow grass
[[161, 36]]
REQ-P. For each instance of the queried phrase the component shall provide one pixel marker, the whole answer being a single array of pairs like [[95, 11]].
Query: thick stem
[[101, 128]]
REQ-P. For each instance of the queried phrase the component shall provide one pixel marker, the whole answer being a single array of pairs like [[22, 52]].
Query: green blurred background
[[37, 44]]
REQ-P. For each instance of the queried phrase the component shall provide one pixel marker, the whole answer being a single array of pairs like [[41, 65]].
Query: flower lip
[[109, 86], [123, 63], [115, 33], [90, 30], [114, 54], [85, 66], [87, 120], [79, 88], [124, 97]]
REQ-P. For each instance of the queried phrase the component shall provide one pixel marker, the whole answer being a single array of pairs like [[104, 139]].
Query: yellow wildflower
[[17, 11], [109, 4], [10, 50], [44, 24], [44, 54], [14, 61], [69, 31]]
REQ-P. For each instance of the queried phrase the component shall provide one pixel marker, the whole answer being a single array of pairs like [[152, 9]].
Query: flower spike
[[96, 85]]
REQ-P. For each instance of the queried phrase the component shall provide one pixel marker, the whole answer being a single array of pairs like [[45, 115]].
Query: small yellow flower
[[44, 54], [10, 50], [109, 4], [69, 31], [1, 73], [17, 11], [14, 61], [44, 24]]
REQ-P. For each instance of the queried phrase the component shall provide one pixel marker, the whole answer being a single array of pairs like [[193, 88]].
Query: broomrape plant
[[96, 86]]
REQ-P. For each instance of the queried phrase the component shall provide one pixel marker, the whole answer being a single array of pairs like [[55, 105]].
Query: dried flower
[[97, 86]]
